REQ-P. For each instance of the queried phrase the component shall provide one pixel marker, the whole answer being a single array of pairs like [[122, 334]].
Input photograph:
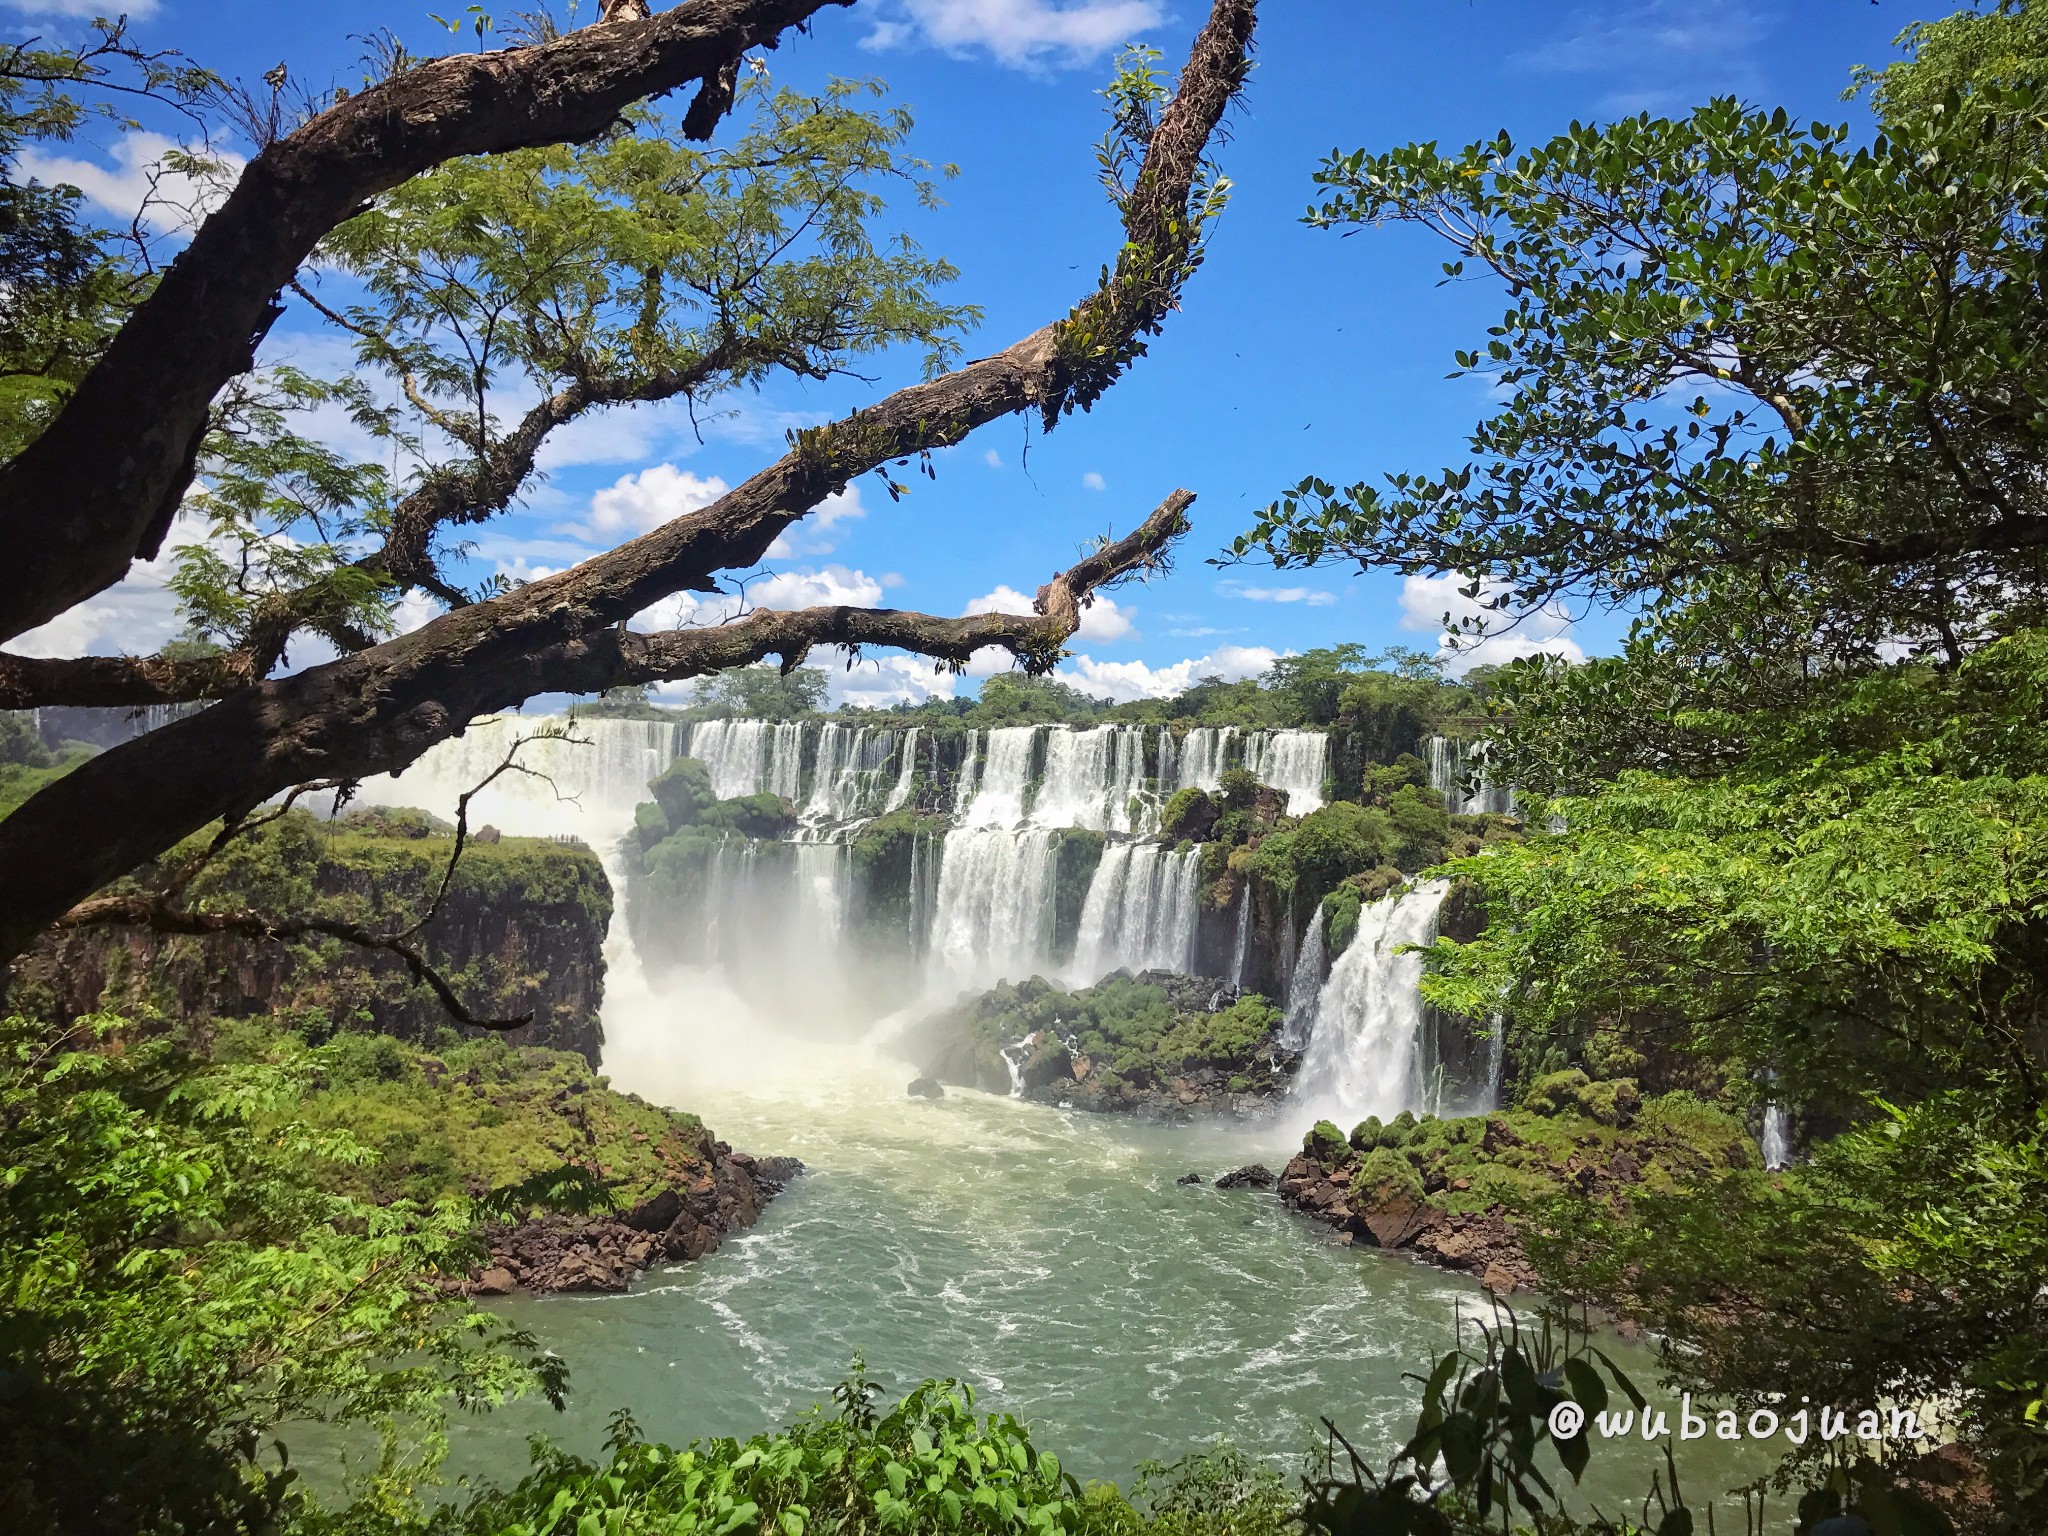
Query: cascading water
[[1363, 1054], [1140, 913], [1295, 761], [993, 917], [1305, 985], [1005, 780], [1240, 947], [1201, 757], [906, 773], [1093, 779], [1777, 1137], [1457, 771]]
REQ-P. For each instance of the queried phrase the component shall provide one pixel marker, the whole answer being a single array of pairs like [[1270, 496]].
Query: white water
[[1363, 1056], [994, 912], [1140, 913], [1305, 985], [1004, 783], [1093, 779], [1457, 771], [1777, 1138], [1295, 761], [1201, 757], [906, 773]]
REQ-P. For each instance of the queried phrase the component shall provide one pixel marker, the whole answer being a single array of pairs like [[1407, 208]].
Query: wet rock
[[657, 1214], [496, 1282], [925, 1088], [1189, 1178], [1250, 1176]]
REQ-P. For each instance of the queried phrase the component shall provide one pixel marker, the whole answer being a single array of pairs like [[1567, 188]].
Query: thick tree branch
[[380, 709], [98, 489], [256, 744]]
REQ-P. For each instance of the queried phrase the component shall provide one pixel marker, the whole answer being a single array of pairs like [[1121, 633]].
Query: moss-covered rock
[[1157, 1042], [520, 931], [1453, 1190], [1325, 1143]]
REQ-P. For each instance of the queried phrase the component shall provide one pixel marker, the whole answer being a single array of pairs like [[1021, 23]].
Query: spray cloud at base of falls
[[1027, 849]]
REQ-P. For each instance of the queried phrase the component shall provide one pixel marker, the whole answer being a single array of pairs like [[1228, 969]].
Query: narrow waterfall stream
[[1363, 1055]]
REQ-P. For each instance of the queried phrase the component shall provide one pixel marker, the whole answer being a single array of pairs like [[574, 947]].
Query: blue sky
[[1296, 353]]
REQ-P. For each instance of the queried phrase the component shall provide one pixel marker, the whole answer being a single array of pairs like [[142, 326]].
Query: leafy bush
[[175, 1283]]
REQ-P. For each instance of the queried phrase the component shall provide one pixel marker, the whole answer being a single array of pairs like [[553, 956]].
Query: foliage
[[1773, 394], [635, 267], [1472, 1464], [466, 1117], [65, 286], [1011, 698], [1139, 1031], [928, 1463], [1855, 907], [1900, 1264], [764, 693], [176, 1281]]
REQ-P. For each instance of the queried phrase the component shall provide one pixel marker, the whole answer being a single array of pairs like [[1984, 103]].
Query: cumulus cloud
[[1313, 597], [1104, 622], [1426, 600], [1093, 481], [1025, 34], [138, 184], [642, 501], [1125, 681]]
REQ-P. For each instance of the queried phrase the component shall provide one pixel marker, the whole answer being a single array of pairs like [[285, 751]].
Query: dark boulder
[[1250, 1176], [1189, 1178], [925, 1088]]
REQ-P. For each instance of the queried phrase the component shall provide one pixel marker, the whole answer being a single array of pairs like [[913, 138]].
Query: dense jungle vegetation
[[1773, 391]]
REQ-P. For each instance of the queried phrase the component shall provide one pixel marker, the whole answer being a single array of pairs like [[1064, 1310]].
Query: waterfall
[[1092, 777], [1777, 1139], [1362, 1055], [733, 752], [993, 917], [1453, 764], [1005, 784], [1141, 912], [848, 772], [906, 773], [970, 774], [1201, 757], [1240, 949], [1305, 985], [583, 786], [1295, 761]]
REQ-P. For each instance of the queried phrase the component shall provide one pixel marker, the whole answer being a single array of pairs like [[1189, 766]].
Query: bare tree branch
[[99, 487]]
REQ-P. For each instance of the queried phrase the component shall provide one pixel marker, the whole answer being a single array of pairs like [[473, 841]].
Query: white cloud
[[1661, 55], [134, 617], [1125, 681], [874, 682], [84, 10], [995, 460], [641, 502], [1092, 481], [831, 586], [1426, 600], [1024, 34], [814, 535], [136, 183], [1313, 597], [1104, 621]]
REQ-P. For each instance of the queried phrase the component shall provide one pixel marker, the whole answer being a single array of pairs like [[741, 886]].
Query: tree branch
[[378, 710], [259, 742], [99, 487]]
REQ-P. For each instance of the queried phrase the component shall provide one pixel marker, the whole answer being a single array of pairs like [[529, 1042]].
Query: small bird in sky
[[275, 78]]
